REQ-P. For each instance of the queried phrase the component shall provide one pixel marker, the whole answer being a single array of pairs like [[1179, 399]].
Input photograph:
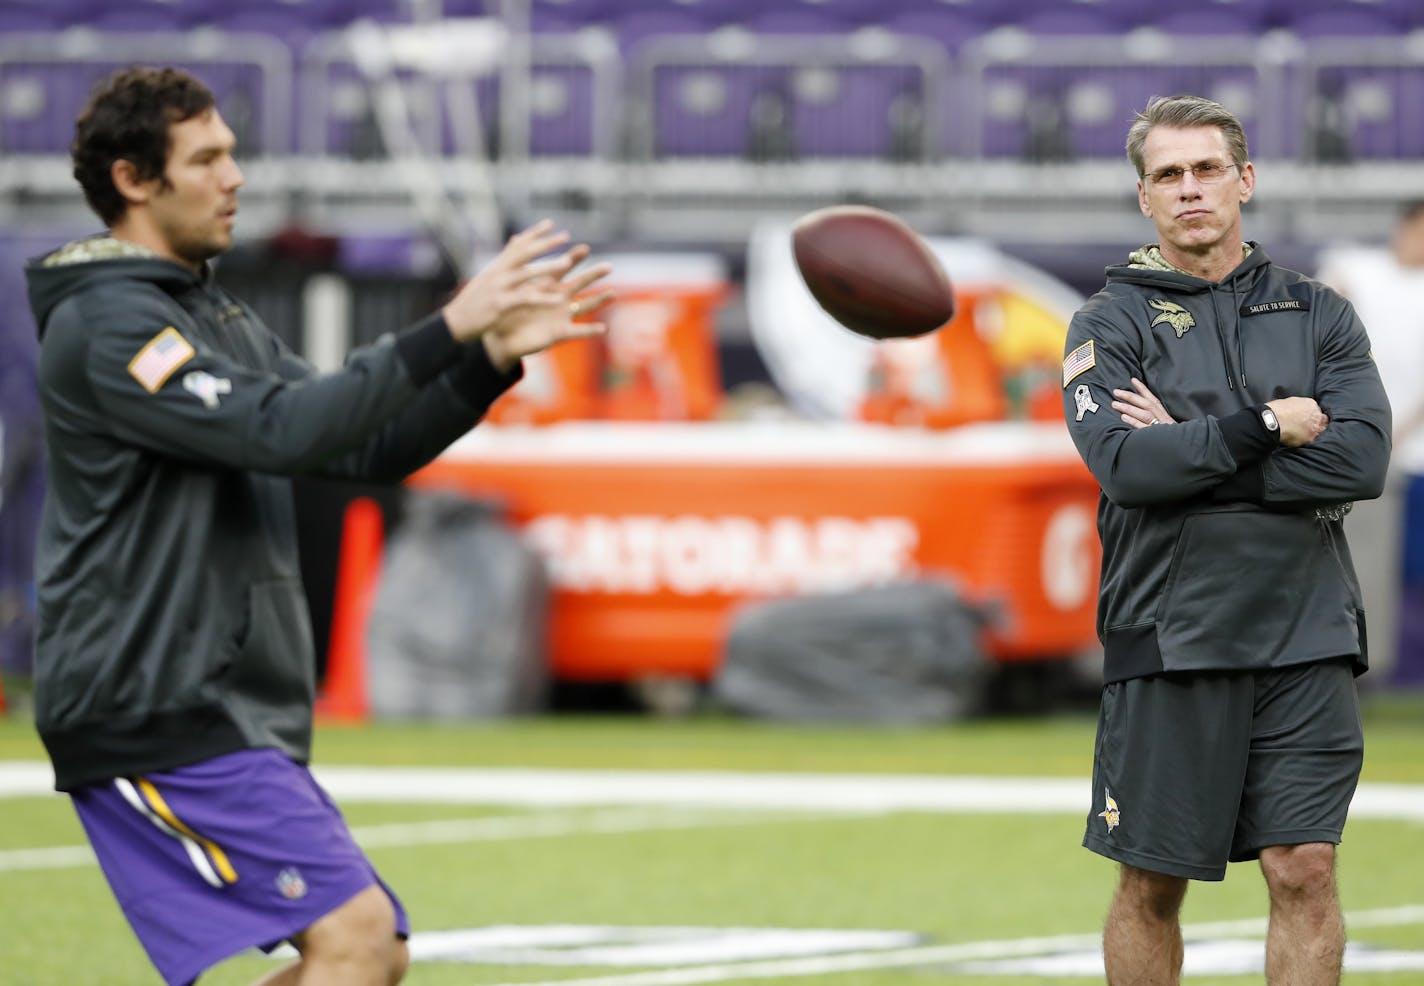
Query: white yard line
[[47, 858], [937, 954], [543, 825], [723, 789]]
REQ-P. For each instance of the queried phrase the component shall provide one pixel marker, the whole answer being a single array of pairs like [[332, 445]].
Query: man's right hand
[[1300, 418]]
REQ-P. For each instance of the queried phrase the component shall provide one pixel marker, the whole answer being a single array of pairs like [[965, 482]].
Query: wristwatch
[[1268, 418]]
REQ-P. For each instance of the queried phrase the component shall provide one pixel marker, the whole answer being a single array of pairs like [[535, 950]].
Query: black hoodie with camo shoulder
[[172, 622], [1223, 549]]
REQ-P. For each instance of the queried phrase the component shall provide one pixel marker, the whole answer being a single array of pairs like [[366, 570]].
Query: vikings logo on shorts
[[1110, 814], [291, 884]]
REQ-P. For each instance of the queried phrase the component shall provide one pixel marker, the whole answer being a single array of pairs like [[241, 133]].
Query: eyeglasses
[[1207, 172]]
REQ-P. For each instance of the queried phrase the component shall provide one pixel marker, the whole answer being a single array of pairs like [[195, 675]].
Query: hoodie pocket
[[274, 664], [1251, 589]]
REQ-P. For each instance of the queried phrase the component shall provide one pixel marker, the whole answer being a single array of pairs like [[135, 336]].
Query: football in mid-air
[[871, 272]]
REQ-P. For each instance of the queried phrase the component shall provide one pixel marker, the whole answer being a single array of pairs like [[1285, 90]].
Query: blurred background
[[729, 499]]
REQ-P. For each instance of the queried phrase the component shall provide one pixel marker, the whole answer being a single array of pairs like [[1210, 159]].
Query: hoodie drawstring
[[1240, 346], [1221, 340]]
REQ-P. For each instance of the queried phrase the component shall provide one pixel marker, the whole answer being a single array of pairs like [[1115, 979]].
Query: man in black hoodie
[[1231, 412], [174, 668]]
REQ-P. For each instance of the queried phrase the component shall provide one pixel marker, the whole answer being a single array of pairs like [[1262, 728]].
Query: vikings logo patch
[[1173, 314], [1111, 815]]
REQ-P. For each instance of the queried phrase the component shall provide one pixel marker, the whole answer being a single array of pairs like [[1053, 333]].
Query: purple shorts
[[208, 860]]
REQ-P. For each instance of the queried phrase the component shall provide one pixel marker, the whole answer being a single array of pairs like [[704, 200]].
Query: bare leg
[[288, 975], [354, 945], [1306, 942], [1142, 944]]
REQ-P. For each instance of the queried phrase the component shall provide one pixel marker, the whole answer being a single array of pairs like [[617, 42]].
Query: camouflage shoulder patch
[[160, 356]]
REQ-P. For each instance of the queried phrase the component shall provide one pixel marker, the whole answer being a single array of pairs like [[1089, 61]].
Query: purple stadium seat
[[291, 27], [1116, 15], [190, 13], [1219, 21], [845, 11], [1408, 13], [467, 8], [1398, 13], [544, 21], [25, 18], [716, 13], [1013, 100], [794, 20], [636, 29], [1341, 20], [1253, 16], [561, 111], [146, 18], [58, 13], [855, 111], [950, 29], [571, 14], [563, 120], [43, 99], [37, 116], [312, 15], [381, 11], [1367, 111], [1062, 21], [711, 110]]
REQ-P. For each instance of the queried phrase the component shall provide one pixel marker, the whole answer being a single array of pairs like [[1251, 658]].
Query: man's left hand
[[533, 328]]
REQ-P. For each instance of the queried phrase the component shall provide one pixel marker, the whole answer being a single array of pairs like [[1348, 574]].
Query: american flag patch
[[159, 357], [1081, 359]]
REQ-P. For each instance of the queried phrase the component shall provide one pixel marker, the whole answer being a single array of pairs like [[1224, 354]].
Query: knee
[[1306, 870], [1155, 895], [361, 932], [400, 962]]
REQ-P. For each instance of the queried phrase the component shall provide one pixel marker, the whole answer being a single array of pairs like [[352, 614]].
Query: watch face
[[1269, 416]]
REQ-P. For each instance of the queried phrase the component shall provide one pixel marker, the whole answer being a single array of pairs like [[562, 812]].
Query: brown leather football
[[871, 272]]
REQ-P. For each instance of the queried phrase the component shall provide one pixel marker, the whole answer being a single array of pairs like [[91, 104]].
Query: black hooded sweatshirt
[[1223, 549], [172, 622]]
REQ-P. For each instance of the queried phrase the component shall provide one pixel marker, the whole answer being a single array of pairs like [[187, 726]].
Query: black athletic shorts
[[1194, 770]]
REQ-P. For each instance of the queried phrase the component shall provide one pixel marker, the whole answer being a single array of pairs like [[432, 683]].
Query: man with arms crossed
[[174, 670], [1231, 412]]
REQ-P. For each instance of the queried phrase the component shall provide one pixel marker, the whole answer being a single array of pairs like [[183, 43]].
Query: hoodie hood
[[1147, 266], [78, 265]]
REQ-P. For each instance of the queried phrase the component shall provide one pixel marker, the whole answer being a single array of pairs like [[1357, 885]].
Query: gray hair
[[1185, 111]]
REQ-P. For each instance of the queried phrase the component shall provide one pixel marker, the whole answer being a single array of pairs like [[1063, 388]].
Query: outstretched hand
[[536, 327], [1140, 407], [519, 304], [511, 281]]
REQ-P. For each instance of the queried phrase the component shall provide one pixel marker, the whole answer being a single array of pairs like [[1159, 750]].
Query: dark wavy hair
[[127, 119]]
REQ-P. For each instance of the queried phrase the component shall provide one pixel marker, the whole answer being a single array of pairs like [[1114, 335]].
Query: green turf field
[[964, 886]]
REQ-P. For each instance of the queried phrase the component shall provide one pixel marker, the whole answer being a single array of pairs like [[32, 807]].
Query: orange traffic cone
[[343, 696]]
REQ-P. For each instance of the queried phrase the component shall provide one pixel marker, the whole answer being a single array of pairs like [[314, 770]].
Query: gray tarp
[[458, 624], [902, 653]]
